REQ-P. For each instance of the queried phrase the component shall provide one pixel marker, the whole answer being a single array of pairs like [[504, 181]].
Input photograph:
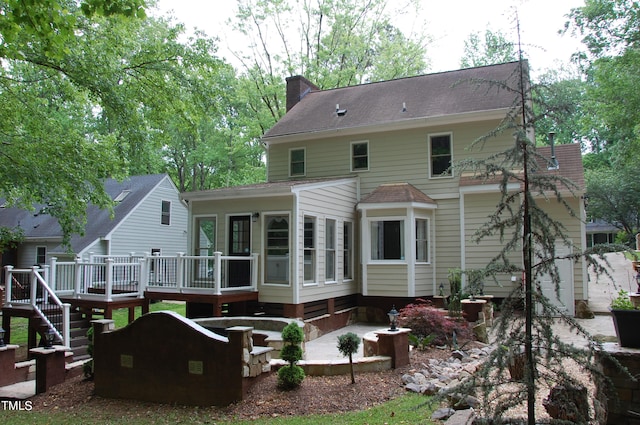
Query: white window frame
[[38, 255], [430, 155], [347, 250], [163, 214], [196, 232], [426, 240], [403, 240], [266, 217], [330, 250], [304, 162], [312, 250], [351, 156]]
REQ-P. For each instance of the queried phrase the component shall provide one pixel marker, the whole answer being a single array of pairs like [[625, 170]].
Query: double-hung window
[[41, 255], [347, 251], [166, 213], [422, 240], [360, 156], [387, 240], [309, 249], [440, 153], [330, 250], [297, 162]]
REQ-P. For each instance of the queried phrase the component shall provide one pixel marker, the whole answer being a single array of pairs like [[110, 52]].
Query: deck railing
[[201, 274], [107, 279], [28, 288]]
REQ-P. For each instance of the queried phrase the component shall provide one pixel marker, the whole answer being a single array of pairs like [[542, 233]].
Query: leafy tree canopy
[[607, 27], [491, 49], [333, 43]]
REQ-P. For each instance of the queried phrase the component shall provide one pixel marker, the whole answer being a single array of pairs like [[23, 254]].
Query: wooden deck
[[197, 303], [89, 306]]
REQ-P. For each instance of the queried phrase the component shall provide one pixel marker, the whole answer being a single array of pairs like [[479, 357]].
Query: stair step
[[80, 352], [78, 341], [78, 332]]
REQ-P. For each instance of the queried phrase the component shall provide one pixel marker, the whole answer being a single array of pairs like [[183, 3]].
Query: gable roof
[[99, 222], [400, 101]]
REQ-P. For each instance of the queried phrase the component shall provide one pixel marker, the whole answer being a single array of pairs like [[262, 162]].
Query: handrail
[[50, 295], [40, 296]]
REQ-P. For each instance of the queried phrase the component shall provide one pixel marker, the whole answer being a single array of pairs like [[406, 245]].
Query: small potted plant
[[626, 319]]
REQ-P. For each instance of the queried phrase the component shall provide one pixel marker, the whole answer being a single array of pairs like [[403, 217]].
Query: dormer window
[[297, 162]]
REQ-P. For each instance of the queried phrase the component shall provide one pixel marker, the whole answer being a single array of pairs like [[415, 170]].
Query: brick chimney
[[297, 88]]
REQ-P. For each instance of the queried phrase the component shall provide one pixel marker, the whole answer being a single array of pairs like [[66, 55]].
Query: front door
[[239, 271]]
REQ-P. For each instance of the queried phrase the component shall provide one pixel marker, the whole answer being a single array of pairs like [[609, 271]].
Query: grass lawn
[[408, 409], [19, 325]]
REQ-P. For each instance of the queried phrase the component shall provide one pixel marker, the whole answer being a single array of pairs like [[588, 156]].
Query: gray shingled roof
[[426, 96], [99, 222]]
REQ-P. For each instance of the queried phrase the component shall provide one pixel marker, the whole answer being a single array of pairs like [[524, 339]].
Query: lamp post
[[393, 318], [49, 336]]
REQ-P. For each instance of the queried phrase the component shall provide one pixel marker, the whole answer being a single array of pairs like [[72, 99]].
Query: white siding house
[[148, 216]]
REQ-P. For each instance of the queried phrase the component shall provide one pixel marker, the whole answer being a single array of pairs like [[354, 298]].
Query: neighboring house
[[361, 207], [149, 217], [600, 232]]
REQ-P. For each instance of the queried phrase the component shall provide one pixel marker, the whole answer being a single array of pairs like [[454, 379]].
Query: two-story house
[[362, 207]]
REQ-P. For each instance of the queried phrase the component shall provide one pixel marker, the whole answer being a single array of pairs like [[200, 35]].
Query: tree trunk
[[353, 378]]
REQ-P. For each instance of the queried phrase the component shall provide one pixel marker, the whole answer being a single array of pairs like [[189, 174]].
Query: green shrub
[[292, 333], [291, 353], [290, 377]]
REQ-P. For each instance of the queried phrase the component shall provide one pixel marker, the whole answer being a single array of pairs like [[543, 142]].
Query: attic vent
[[340, 112], [121, 196]]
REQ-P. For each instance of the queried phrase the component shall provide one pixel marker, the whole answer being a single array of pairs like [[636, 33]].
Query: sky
[[448, 22]]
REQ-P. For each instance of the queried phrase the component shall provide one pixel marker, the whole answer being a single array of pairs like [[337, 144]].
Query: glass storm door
[[239, 271]]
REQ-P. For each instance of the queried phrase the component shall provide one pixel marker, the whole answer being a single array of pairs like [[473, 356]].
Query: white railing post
[[53, 278], [66, 327], [7, 287], [180, 272], [254, 271], [78, 282], [142, 281], [34, 285], [108, 285], [217, 267]]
